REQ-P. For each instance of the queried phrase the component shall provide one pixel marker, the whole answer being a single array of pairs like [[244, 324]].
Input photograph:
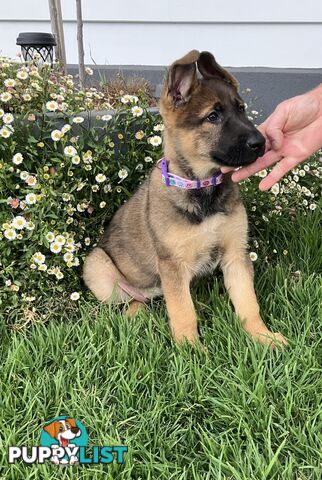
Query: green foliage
[[61, 177]]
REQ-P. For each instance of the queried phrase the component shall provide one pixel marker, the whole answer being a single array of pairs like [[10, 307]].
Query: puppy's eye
[[61, 428], [241, 107], [214, 117]]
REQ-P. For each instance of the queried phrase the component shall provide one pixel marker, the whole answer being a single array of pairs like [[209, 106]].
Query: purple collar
[[171, 180]]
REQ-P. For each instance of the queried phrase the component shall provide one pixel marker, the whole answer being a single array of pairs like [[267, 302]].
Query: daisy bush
[[64, 171], [298, 193]]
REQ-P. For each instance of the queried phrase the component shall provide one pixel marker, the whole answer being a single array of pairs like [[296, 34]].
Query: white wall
[[275, 33]]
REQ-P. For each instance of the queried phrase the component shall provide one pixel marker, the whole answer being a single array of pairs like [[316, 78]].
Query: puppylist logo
[[64, 441]]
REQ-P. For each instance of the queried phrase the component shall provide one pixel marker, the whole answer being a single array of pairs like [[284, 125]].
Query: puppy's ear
[[182, 78], [209, 68], [52, 429], [71, 421]]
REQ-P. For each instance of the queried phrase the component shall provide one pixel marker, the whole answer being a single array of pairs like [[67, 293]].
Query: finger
[[262, 128], [275, 124], [284, 166], [227, 169], [275, 137], [268, 159]]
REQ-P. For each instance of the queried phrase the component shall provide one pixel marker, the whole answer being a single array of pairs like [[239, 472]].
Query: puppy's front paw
[[274, 340], [186, 337]]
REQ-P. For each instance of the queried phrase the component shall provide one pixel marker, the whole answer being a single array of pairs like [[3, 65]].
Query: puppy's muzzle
[[255, 143]]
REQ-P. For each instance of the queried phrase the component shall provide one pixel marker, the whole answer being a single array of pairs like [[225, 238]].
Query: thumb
[[275, 136], [275, 125]]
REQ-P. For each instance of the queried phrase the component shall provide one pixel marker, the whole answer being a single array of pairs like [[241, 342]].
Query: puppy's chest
[[200, 247]]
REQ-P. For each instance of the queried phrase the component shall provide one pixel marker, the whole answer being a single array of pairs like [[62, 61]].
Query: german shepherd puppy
[[166, 236]]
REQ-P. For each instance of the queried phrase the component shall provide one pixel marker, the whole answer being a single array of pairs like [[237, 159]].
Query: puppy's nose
[[74, 429], [256, 142]]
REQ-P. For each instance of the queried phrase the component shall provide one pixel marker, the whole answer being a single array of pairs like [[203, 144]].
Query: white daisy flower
[[10, 233], [30, 225], [275, 189], [17, 158], [78, 120], [55, 247], [42, 267], [60, 239], [24, 175], [56, 135], [59, 275], [66, 197], [102, 204], [10, 82], [19, 222], [262, 173], [100, 178], [155, 141], [159, 127], [88, 155], [52, 106], [313, 206], [76, 160], [148, 159], [26, 97], [137, 111], [123, 173], [22, 75], [129, 99], [31, 198], [65, 128], [7, 118], [50, 237], [68, 257], [1, 112], [87, 241], [89, 71], [5, 97], [38, 258], [74, 296], [107, 118], [70, 151], [81, 207], [31, 180], [253, 256], [76, 262], [5, 132]]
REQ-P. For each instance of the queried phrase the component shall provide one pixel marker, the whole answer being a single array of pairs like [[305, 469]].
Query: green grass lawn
[[234, 411]]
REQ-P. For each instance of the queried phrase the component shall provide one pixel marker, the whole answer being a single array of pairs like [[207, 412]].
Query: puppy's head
[[205, 119], [62, 428]]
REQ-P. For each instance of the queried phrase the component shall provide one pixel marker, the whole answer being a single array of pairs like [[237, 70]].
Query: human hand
[[293, 132]]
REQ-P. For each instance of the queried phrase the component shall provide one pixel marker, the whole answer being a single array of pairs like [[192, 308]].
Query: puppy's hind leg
[[102, 277]]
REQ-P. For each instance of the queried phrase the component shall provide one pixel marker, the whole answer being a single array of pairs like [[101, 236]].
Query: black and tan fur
[[164, 237]]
